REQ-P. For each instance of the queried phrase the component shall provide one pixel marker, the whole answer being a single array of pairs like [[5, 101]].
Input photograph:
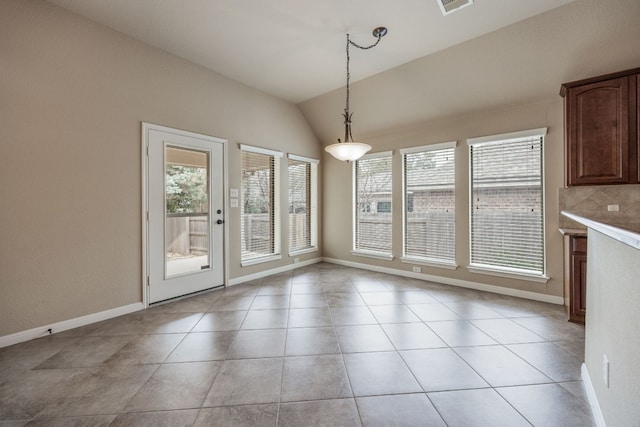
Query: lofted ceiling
[[295, 49]]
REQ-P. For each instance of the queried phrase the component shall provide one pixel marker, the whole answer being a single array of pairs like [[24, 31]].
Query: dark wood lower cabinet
[[577, 278]]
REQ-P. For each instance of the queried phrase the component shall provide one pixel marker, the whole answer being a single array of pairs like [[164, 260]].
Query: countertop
[[628, 234], [573, 231]]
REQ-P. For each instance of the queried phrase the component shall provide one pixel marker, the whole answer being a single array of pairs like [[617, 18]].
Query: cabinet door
[[598, 133], [578, 305], [577, 278]]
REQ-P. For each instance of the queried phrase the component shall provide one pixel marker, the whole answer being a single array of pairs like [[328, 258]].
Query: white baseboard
[[593, 400], [30, 334], [454, 282], [261, 274]]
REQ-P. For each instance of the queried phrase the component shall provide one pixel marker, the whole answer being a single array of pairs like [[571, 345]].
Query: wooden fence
[[187, 235], [374, 232], [298, 231]]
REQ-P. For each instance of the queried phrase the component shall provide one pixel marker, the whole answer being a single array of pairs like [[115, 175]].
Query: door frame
[[146, 128]]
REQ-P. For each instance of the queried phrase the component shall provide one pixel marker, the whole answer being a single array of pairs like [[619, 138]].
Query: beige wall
[[613, 298], [73, 95], [502, 82]]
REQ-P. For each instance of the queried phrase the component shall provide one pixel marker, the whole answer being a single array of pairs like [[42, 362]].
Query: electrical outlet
[[605, 370], [296, 260], [417, 269], [613, 208]]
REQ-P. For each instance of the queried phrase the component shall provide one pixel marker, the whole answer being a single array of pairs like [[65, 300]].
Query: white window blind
[[302, 203], [507, 212], [429, 194], [372, 204], [259, 218]]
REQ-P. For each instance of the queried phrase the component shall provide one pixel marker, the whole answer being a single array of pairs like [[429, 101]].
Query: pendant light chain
[[347, 115]]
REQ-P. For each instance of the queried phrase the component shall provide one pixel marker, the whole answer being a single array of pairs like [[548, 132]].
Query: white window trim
[[302, 158], [508, 272], [431, 147], [354, 190], [313, 203], [503, 136], [303, 251], [260, 260], [505, 272], [372, 254], [277, 244], [260, 150], [314, 206], [429, 262], [277, 226], [375, 155]]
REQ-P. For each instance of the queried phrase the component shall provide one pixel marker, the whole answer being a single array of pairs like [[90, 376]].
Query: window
[[260, 225], [372, 206], [429, 210], [303, 196], [507, 212], [383, 207]]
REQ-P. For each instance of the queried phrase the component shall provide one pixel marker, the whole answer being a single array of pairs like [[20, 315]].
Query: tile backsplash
[[592, 202]]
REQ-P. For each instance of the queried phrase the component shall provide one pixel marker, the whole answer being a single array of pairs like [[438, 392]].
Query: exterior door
[[185, 235]]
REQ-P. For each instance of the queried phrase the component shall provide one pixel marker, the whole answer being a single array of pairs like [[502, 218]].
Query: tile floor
[[322, 345]]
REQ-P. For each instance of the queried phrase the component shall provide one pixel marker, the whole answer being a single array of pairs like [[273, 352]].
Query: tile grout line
[[344, 365]]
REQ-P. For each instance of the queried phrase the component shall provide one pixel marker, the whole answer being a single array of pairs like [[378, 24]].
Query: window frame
[[312, 203], [275, 205], [501, 271], [387, 256], [413, 259]]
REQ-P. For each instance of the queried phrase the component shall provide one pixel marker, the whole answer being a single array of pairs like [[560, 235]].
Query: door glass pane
[[187, 224]]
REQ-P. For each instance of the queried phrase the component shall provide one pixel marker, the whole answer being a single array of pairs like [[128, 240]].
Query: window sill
[[303, 251], [512, 274], [430, 263], [374, 255], [254, 261]]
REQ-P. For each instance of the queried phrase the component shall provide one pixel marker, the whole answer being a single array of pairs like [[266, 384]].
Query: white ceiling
[[295, 49]]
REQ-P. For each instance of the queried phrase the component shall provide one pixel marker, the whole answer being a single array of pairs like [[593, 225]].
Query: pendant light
[[349, 150]]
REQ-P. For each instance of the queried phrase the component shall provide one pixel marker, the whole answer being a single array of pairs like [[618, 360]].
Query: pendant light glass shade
[[348, 151]]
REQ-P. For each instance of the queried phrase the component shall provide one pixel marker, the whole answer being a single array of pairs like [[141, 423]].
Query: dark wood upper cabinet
[[601, 123]]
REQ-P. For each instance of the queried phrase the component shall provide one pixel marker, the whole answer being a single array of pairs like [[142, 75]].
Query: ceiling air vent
[[448, 6]]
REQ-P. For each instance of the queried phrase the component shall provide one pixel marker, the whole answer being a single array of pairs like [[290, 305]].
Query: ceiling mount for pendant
[[350, 150], [380, 32]]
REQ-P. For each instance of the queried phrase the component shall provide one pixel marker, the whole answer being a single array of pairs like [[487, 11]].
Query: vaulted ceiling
[[295, 49]]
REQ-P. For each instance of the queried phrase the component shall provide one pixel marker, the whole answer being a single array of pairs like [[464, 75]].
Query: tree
[[374, 179], [186, 189]]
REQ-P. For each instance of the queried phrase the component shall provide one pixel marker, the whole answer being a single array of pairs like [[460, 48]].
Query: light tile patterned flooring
[[322, 345]]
